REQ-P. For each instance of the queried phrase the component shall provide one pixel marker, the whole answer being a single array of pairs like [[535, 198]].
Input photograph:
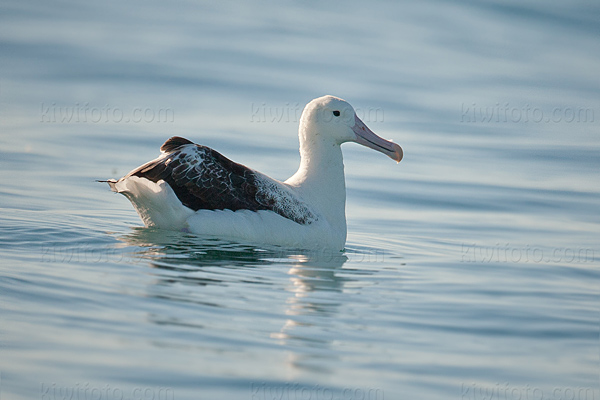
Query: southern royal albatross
[[193, 187]]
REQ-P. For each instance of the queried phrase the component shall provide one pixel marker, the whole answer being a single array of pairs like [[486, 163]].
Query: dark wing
[[203, 179]]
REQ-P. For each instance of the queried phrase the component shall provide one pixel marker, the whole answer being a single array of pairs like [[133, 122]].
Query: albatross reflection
[[315, 284], [304, 301]]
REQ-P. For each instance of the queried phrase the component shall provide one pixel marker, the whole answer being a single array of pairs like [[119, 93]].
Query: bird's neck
[[320, 179]]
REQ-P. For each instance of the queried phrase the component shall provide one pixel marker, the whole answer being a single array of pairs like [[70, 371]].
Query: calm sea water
[[471, 269]]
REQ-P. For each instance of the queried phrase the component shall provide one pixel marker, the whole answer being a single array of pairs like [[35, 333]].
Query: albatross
[[194, 188]]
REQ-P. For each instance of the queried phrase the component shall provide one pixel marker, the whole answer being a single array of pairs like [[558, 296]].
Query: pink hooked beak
[[368, 138]]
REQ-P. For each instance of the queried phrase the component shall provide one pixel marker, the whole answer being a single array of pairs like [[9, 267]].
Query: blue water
[[471, 269]]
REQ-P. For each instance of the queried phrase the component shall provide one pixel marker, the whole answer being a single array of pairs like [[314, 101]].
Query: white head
[[329, 120]]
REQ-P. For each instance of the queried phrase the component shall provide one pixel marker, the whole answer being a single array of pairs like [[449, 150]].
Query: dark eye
[[336, 113]]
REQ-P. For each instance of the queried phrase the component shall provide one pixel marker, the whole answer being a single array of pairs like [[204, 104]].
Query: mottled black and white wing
[[203, 179]]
